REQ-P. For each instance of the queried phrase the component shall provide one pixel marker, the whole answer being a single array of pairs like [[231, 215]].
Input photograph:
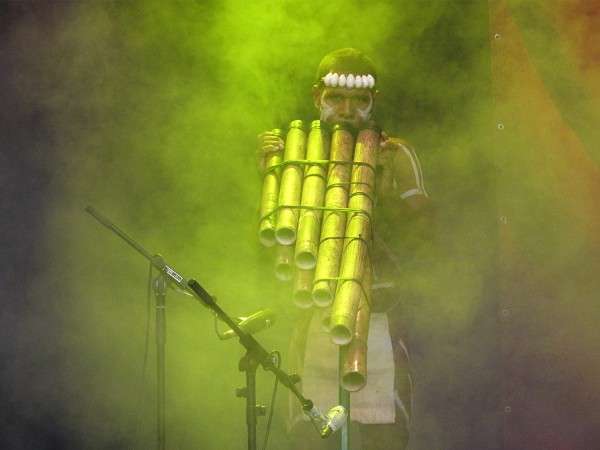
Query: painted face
[[354, 106]]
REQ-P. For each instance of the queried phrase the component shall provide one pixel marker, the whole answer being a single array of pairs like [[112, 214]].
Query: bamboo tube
[[325, 319], [303, 283], [334, 220], [354, 370], [356, 252], [270, 196], [284, 262], [291, 184], [354, 261], [313, 193]]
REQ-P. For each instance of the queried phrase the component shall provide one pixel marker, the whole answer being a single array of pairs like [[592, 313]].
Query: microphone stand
[[344, 399], [159, 285], [249, 365], [256, 354]]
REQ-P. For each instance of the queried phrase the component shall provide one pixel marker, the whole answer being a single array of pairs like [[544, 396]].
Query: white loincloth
[[375, 402]]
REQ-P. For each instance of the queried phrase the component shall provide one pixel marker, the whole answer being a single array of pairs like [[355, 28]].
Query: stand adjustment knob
[[260, 410], [240, 392]]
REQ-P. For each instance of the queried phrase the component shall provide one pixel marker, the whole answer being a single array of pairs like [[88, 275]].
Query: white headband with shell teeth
[[349, 81]]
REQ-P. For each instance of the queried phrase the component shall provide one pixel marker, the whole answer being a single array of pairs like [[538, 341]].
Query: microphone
[[253, 324], [336, 418], [329, 423]]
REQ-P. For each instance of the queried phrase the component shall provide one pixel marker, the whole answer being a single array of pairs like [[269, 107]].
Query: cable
[[276, 358], [145, 361]]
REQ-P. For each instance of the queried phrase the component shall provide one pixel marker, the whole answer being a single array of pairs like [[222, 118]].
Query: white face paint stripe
[[326, 110], [365, 114]]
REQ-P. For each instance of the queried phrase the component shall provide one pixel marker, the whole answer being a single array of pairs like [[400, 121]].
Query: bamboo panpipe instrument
[[325, 214], [334, 204]]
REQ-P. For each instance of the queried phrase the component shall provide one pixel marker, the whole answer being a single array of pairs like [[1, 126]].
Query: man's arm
[[404, 212], [400, 178]]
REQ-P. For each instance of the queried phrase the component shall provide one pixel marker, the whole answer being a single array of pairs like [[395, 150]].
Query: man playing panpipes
[[346, 91]]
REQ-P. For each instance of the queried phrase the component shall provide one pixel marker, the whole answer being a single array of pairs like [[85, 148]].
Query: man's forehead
[[345, 91]]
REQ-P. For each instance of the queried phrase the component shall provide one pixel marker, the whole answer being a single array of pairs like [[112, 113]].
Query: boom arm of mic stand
[[252, 346]]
